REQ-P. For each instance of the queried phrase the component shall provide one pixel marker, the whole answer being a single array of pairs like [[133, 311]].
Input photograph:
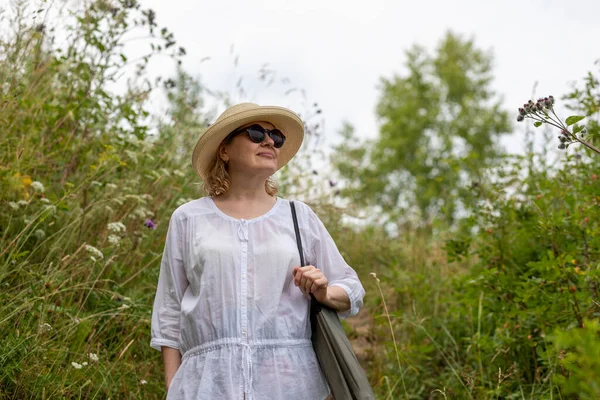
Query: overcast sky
[[338, 50]]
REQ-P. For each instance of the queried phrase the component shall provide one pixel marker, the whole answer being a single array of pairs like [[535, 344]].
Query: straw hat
[[241, 114]]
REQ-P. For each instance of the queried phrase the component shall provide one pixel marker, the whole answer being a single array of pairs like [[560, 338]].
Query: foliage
[[439, 125], [83, 184]]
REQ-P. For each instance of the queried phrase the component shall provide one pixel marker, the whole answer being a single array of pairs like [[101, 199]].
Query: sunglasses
[[258, 134]]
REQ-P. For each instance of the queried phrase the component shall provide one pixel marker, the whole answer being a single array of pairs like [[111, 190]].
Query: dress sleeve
[[172, 283], [328, 259]]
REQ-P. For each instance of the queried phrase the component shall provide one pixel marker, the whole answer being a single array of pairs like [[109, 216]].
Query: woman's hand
[[310, 279]]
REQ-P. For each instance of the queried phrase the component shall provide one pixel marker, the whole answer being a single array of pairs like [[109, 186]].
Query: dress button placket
[[246, 361]]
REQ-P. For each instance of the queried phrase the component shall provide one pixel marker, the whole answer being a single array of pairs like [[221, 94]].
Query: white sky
[[338, 50]]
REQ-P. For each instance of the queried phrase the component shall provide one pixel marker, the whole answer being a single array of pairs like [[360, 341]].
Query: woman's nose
[[269, 141]]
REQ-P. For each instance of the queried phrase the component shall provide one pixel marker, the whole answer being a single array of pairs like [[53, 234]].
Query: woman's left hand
[[310, 279]]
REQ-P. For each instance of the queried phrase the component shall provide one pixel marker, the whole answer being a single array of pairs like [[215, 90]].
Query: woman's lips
[[267, 155]]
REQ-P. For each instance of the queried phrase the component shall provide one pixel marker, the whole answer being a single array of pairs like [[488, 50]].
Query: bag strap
[[314, 302], [297, 230]]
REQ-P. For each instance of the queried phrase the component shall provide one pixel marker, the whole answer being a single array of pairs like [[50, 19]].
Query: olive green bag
[[339, 364]]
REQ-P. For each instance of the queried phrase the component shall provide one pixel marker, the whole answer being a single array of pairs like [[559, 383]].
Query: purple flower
[[150, 224]]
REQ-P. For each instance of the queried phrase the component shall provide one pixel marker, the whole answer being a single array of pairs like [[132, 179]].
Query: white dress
[[226, 299]]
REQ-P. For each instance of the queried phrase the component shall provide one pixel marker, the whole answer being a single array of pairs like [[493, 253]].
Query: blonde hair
[[217, 181]]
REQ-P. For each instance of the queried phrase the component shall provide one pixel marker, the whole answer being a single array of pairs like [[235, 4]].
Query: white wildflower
[[114, 239], [165, 172], [116, 227], [23, 203], [45, 327], [111, 186], [85, 363], [93, 357], [95, 183], [37, 186], [51, 208], [143, 382], [118, 200], [94, 251], [76, 365], [143, 213], [45, 200], [132, 139], [124, 307], [13, 205], [40, 234], [134, 197], [146, 196], [183, 200], [93, 258], [108, 209], [132, 155]]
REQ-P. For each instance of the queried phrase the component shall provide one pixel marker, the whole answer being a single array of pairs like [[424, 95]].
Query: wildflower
[[85, 363], [37, 186], [114, 239], [124, 307], [520, 118], [23, 203], [93, 357], [76, 365], [93, 258], [40, 234], [143, 382], [45, 327], [26, 181], [116, 227], [13, 205], [51, 208], [111, 186], [150, 224], [94, 251], [522, 111], [132, 155], [45, 200]]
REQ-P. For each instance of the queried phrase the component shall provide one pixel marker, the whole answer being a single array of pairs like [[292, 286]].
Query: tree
[[439, 128]]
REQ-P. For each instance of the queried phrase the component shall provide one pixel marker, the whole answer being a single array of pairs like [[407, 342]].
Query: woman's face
[[245, 156]]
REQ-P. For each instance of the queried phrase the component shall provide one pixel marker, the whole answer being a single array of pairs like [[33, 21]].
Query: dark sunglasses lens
[[278, 138], [256, 133]]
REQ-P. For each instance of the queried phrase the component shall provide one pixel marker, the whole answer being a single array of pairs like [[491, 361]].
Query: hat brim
[[283, 119]]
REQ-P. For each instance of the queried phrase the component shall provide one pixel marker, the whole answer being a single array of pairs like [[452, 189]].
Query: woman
[[232, 297]]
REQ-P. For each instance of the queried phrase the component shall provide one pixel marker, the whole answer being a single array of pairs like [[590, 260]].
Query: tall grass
[[504, 305]]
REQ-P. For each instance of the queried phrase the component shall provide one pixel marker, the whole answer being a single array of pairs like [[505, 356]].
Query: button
[[244, 331], [244, 250]]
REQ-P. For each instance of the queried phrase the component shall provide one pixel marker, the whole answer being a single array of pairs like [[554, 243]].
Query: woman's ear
[[223, 153]]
